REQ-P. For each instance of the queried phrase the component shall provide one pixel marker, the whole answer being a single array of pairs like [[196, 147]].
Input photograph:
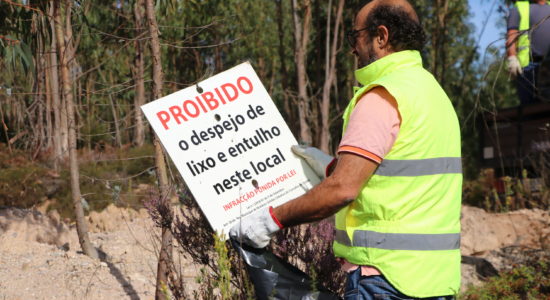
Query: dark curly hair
[[405, 33]]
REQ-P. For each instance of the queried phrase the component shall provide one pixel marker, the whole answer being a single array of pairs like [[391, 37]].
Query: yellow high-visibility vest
[[406, 218]]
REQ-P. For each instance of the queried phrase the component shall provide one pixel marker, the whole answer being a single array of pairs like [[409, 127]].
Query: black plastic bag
[[274, 278]]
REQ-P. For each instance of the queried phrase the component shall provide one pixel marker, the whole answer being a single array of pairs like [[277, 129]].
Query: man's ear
[[382, 40]]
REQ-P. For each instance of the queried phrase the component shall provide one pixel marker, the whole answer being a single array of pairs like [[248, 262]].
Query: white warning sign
[[231, 146]]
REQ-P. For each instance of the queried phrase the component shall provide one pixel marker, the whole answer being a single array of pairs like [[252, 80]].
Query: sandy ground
[[40, 257]]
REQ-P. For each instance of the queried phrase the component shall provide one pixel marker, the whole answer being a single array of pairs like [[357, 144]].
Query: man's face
[[364, 49], [364, 46]]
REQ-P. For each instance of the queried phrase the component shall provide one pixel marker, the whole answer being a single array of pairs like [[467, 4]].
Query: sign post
[[231, 146]]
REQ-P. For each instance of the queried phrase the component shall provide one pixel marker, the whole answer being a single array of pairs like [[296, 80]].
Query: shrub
[[522, 282], [106, 177], [308, 247], [23, 183]]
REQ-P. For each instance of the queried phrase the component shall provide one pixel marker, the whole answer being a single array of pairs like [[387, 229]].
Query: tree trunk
[[58, 136], [64, 129], [49, 123], [165, 255], [118, 137], [41, 137], [439, 37], [65, 54], [330, 75], [139, 74], [301, 40], [90, 109], [287, 108]]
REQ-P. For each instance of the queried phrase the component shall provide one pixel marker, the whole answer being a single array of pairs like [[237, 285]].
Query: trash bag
[[274, 278]]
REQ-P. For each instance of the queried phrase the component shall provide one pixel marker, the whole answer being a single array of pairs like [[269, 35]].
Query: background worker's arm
[[512, 36], [335, 192], [512, 42], [514, 66]]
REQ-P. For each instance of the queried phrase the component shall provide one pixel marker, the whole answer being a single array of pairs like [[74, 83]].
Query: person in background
[[397, 183], [528, 42]]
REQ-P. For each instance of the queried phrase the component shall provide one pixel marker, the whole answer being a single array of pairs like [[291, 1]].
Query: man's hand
[[514, 67], [315, 158], [256, 229]]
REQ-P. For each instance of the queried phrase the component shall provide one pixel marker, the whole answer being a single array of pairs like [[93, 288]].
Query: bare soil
[[40, 256]]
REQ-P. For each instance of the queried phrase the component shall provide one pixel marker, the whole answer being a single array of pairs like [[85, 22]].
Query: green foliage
[[512, 194], [20, 29], [523, 282], [223, 282], [223, 273], [22, 182], [199, 38], [109, 180], [17, 54]]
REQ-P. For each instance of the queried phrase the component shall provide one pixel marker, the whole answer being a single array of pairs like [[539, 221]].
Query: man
[[396, 187], [528, 42]]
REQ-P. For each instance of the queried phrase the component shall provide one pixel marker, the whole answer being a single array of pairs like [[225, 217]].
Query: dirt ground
[[40, 257]]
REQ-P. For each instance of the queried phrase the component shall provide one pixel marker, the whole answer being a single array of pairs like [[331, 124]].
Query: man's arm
[[512, 35], [514, 65], [371, 132], [333, 193], [512, 42]]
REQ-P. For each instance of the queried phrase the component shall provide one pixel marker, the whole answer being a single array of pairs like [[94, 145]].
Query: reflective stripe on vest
[[400, 241], [420, 167]]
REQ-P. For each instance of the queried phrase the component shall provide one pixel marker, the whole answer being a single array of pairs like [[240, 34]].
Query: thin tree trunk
[[58, 135], [41, 135], [5, 128], [118, 138], [115, 115], [64, 130], [330, 75], [218, 62], [66, 54], [49, 126], [165, 255], [139, 74], [90, 109], [439, 40], [301, 40], [283, 71]]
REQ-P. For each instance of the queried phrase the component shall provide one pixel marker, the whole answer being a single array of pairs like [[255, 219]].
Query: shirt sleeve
[[373, 126], [513, 19]]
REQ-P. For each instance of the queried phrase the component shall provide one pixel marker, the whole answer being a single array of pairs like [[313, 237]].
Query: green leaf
[[27, 57]]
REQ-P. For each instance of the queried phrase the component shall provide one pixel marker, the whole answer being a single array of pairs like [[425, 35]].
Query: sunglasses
[[351, 36]]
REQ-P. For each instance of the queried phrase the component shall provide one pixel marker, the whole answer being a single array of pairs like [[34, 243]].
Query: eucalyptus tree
[[66, 48], [302, 27], [165, 255]]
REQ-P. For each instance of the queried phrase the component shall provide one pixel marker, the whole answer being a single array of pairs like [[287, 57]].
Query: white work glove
[[315, 158], [514, 66], [256, 229]]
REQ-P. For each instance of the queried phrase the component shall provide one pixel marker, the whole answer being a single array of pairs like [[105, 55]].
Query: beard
[[369, 57]]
